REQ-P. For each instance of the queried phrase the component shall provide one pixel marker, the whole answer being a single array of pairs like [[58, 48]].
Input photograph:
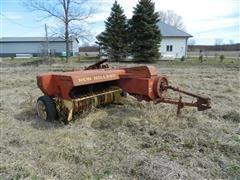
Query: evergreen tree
[[145, 35], [114, 39]]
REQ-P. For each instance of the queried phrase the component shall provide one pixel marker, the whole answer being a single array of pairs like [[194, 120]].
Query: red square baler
[[67, 93]]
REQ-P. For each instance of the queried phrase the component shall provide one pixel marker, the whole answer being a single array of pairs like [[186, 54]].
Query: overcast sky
[[206, 20]]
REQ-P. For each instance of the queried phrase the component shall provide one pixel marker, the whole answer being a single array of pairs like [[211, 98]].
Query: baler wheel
[[46, 108]]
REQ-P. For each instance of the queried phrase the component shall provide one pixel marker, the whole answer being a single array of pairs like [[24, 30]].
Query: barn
[[35, 46], [174, 42]]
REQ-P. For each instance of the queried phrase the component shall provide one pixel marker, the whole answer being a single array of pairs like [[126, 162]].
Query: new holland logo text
[[97, 78]]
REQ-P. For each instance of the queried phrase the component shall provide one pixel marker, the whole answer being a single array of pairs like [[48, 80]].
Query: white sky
[[206, 20]]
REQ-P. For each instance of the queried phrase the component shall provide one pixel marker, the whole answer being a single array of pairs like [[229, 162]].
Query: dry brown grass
[[137, 140]]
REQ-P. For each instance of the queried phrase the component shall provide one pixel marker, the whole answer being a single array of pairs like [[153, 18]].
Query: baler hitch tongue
[[202, 103]]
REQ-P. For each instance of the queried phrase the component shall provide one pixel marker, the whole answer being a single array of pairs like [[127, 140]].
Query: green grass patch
[[206, 61]]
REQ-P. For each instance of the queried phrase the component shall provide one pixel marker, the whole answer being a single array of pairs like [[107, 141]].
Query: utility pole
[[47, 42]]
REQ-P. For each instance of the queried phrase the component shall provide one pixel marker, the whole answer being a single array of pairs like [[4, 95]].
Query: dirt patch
[[232, 116]]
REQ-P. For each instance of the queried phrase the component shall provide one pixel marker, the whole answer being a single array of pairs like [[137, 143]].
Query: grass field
[[137, 140]]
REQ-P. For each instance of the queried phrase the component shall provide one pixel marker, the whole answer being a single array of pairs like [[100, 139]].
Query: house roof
[[31, 39], [170, 31]]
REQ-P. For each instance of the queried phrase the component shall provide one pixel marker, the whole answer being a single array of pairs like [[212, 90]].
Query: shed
[[35, 46]]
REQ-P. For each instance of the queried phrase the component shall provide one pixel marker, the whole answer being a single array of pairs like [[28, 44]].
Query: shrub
[[222, 57], [201, 58], [183, 58]]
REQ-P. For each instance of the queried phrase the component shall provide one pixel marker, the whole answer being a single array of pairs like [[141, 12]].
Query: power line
[[19, 24]]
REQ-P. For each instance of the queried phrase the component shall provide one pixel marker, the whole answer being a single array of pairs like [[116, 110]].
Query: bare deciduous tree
[[231, 41], [68, 14], [191, 42], [218, 41], [171, 18]]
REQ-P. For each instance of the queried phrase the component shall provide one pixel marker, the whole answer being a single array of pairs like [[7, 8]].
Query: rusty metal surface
[[60, 84]]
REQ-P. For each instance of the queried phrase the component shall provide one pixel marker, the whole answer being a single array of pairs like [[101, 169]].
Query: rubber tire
[[50, 107]]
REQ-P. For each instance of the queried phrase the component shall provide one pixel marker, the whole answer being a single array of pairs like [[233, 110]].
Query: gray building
[[35, 46]]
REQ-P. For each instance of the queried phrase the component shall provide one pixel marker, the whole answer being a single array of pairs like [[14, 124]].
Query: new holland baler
[[67, 93]]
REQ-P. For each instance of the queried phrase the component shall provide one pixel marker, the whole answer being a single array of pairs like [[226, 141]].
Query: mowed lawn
[[137, 140]]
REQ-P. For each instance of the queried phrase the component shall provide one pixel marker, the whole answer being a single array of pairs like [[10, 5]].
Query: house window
[[169, 48]]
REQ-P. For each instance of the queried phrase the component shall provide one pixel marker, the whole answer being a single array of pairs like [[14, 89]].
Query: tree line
[[224, 47], [138, 37]]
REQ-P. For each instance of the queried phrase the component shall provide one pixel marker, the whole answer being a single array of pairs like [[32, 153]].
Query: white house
[[174, 42], [35, 46]]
